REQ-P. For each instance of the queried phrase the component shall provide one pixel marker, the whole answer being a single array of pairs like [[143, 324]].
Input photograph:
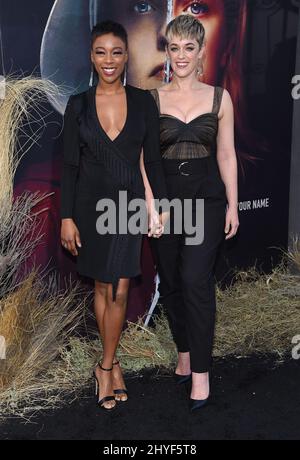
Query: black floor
[[252, 398]]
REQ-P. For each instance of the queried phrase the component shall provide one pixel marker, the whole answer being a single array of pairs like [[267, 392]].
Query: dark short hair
[[109, 27], [186, 26]]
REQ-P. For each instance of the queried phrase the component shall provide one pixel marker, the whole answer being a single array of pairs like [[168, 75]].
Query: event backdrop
[[251, 50], [294, 220]]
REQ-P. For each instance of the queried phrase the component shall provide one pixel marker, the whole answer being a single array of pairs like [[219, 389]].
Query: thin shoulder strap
[[155, 94], [218, 94]]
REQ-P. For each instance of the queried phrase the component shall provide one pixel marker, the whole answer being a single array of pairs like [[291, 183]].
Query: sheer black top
[[185, 141]]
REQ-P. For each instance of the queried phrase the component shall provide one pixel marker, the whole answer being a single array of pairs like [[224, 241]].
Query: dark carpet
[[255, 398]]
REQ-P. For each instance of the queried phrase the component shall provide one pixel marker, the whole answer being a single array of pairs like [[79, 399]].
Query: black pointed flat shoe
[[196, 404], [181, 379]]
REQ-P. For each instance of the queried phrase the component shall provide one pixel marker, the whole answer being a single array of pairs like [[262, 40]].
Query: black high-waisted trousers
[[187, 286]]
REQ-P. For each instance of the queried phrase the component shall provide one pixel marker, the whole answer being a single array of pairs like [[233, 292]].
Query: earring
[[201, 70], [125, 76], [91, 83], [167, 71]]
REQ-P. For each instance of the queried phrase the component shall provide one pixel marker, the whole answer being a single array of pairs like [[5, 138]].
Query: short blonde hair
[[186, 26]]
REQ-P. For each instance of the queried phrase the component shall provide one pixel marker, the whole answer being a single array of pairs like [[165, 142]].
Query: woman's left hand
[[156, 228], [232, 222], [154, 224]]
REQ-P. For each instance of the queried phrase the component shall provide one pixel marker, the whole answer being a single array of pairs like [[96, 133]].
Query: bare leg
[[110, 319], [100, 300], [115, 316], [200, 386], [113, 321], [184, 364]]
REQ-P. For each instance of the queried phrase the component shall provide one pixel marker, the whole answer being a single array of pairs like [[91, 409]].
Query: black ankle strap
[[116, 363], [104, 369]]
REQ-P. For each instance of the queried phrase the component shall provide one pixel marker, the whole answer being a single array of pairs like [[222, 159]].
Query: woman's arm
[[148, 191], [70, 166], [71, 155], [227, 161], [153, 173], [151, 148], [154, 223]]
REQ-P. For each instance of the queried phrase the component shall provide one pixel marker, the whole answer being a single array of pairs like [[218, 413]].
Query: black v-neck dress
[[96, 167]]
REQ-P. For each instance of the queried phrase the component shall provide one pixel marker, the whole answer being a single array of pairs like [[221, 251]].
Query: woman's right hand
[[70, 236]]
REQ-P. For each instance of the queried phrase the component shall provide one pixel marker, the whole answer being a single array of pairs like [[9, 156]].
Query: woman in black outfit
[[107, 131], [197, 147]]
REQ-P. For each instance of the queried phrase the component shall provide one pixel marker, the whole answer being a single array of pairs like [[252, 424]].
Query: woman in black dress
[[107, 131], [199, 159]]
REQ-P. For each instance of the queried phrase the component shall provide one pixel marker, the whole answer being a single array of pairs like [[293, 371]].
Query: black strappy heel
[[120, 391], [97, 390]]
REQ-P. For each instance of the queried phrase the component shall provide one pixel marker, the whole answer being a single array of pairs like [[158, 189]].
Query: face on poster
[[64, 56], [145, 22]]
